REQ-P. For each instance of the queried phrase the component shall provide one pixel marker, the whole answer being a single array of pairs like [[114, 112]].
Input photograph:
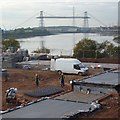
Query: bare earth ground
[[23, 80]]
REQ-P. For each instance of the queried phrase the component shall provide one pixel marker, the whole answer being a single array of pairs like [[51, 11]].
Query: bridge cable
[[97, 20], [25, 21]]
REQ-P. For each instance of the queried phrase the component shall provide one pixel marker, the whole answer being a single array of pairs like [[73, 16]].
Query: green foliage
[[10, 43], [86, 44], [25, 33], [117, 39], [90, 49], [85, 47]]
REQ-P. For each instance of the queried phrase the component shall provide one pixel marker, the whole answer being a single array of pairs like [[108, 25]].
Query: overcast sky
[[23, 13]]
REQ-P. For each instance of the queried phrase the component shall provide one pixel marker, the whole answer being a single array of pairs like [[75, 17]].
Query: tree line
[[86, 48], [24, 33]]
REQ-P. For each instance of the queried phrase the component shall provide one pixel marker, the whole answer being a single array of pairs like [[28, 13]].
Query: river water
[[61, 43]]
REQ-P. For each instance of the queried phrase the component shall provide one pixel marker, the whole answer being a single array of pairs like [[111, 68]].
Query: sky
[[23, 13]]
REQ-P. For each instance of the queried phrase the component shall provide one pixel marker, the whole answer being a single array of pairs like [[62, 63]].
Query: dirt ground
[[23, 80], [110, 109]]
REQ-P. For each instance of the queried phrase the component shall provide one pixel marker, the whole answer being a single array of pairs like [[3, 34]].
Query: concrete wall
[[9, 60], [93, 89]]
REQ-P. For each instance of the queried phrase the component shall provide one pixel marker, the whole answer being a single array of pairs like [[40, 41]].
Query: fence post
[[110, 54], [96, 53], [83, 54]]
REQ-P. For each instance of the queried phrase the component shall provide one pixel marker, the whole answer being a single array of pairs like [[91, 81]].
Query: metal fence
[[86, 53], [97, 54]]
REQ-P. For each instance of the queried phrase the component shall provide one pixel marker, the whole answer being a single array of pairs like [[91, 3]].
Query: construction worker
[[72, 84], [37, 80], [62, 80]]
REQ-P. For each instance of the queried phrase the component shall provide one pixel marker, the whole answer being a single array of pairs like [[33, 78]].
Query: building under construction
[[101, 83], [9, 59], [93, 88], [84, 99]]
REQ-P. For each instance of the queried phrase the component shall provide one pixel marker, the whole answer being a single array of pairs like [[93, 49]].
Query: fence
[[86, 53], [61, 52], [97, 54]]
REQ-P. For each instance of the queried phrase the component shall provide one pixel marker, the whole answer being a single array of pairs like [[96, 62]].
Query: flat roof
[[47, 91], [80, 97], [34, 62], [49, 109], [108, 78]]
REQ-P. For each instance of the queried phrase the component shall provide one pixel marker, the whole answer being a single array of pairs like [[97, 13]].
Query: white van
[[68, 65]]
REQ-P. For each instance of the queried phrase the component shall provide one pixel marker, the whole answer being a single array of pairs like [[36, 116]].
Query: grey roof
[[43, 92], [48, 109], [108, 78], [35, 62], [80, 97]]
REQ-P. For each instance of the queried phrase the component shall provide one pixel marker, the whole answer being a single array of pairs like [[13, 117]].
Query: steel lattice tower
[[85, 25], [41, 24], [41, 18]]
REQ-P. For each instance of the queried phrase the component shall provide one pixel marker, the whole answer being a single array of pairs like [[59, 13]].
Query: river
[[61, 43]]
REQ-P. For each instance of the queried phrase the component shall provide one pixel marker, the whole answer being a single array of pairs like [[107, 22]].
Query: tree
[[109, 50], [117, 39], [10, 43], [90, 49], [116, 50], [85, 48]]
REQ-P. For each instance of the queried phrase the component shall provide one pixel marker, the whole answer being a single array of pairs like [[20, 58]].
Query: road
[[103, 65], [46, 64]]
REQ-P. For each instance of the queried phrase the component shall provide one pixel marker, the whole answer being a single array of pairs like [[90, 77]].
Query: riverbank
[[51, 30], [18, 34]]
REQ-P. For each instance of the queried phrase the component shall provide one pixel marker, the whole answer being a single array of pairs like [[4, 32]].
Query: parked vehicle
[[68, 65], [26, 67]]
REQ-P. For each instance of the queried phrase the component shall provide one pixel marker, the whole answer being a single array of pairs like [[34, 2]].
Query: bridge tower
[[41, 22], [41, 27], [85, 25]]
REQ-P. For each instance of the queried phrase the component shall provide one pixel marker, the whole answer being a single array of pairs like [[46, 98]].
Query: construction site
[[55, 85], [93, 96]]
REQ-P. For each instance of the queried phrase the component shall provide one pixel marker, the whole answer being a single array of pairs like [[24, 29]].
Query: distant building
[[10, 59], [54, 29], [62, 29]]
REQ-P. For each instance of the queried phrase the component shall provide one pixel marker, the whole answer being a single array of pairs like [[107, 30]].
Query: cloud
[[119, 14], [15, 12]]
